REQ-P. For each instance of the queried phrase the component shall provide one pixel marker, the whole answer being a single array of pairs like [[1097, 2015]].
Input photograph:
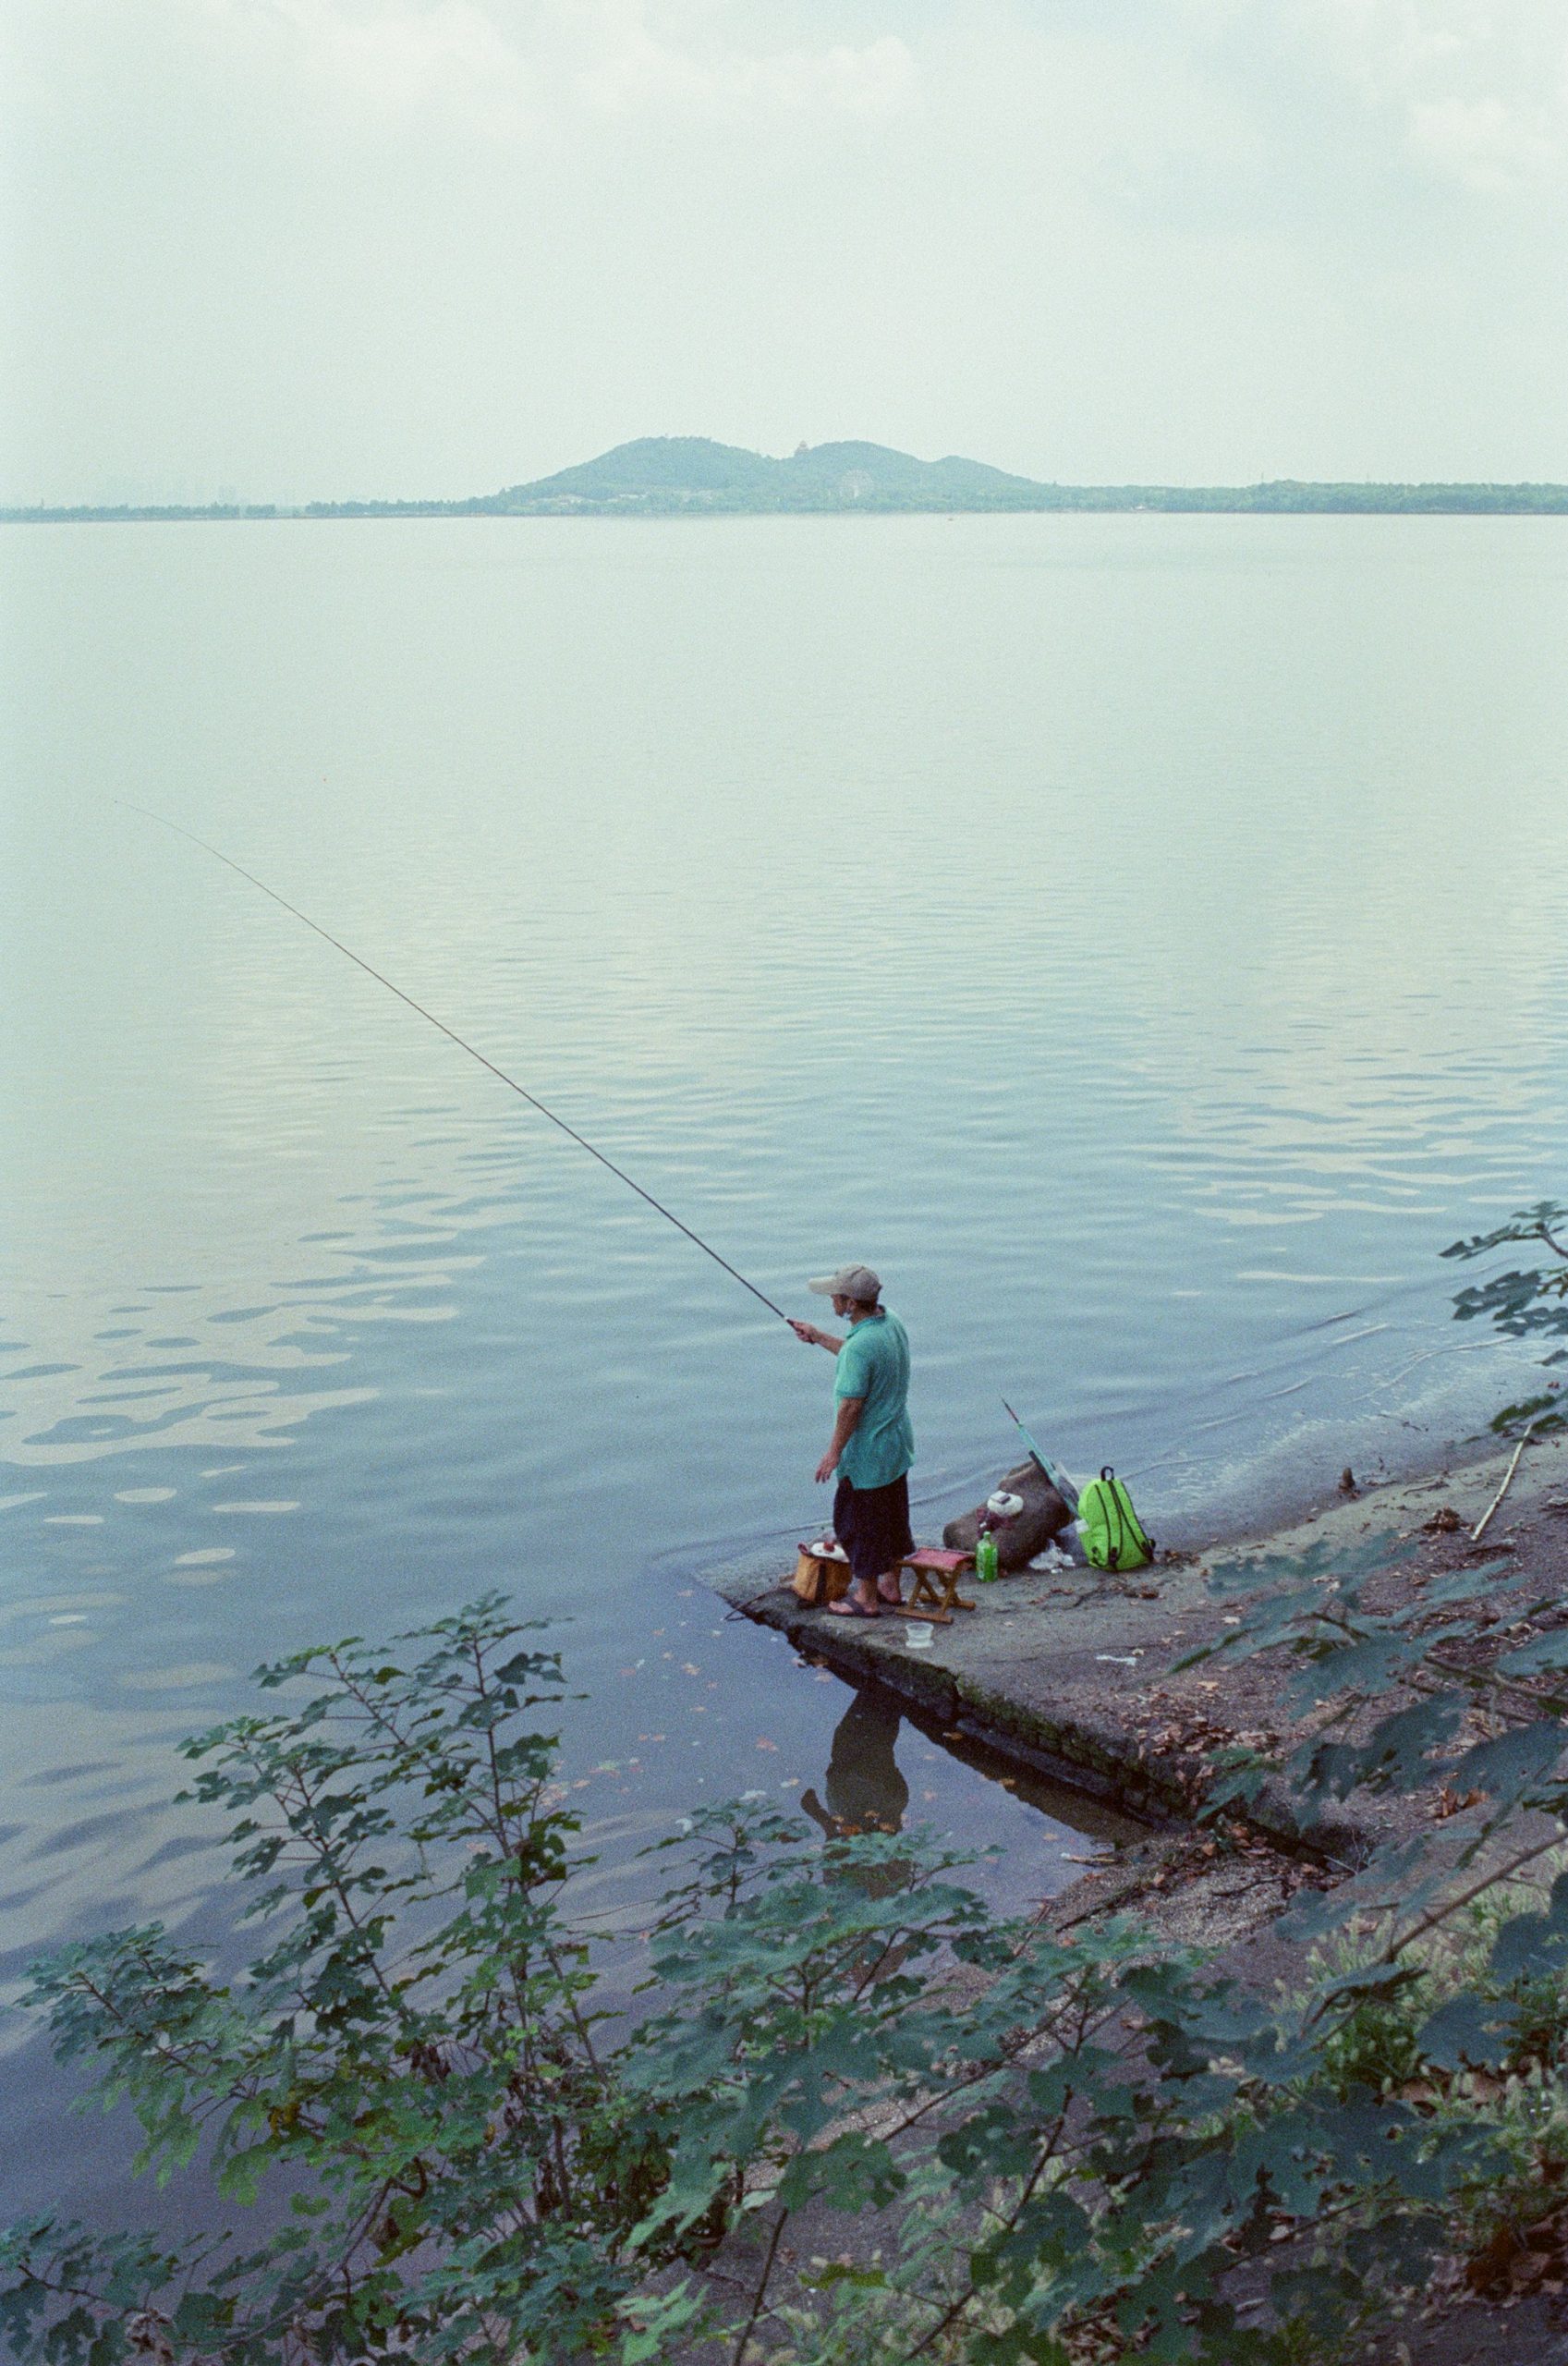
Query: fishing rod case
[[1029, 1531]]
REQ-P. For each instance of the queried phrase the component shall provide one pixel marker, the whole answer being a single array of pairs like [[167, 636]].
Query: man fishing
[[872, 1444]]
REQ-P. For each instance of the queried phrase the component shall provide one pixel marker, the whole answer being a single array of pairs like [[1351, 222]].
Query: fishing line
[[462, 1042]]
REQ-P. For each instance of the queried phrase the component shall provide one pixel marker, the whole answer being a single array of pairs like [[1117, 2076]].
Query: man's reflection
[[865, 1790]]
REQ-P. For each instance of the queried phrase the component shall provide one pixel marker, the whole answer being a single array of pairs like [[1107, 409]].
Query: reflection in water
[[865, 1789], [866, 1793]]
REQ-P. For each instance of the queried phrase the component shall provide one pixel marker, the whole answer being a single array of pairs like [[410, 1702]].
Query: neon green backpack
[[1113, 1533]]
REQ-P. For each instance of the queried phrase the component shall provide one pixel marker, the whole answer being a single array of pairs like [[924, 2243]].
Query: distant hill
[[690, 475], [669, 472]]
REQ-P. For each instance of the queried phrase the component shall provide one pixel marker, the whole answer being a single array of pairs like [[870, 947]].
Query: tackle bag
[[1113, 1533], [818, 1582]]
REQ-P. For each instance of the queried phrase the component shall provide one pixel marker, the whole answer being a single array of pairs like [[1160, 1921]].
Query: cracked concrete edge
[[1089, 1753], [1092, 1754]]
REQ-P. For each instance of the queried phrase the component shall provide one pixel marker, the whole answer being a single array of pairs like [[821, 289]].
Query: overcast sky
[[324, 248]]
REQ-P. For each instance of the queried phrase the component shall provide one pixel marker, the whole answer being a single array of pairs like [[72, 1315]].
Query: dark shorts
[[873, 1525]]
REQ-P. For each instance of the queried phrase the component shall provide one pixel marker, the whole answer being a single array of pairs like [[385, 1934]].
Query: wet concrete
[[1074, 1675]]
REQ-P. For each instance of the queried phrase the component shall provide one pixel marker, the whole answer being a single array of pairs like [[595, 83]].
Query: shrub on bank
[[856, 2115]]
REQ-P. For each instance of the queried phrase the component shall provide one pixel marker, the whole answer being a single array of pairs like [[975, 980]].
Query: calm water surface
[[1142, 938]]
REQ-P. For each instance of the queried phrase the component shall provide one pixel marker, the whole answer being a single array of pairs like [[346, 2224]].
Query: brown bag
[[820, 1582]]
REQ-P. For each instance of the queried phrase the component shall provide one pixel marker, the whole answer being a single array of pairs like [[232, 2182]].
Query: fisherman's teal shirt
[[873, 1364]]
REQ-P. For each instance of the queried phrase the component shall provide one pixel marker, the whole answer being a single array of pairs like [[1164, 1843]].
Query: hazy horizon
[[295, 250], [227, 497]]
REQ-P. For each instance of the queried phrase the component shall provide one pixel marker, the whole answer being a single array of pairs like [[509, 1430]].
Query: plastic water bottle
[[987, 1568]]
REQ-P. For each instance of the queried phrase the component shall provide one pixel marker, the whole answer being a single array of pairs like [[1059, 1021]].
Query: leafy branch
[[1527, 1302], [1068, 2144]]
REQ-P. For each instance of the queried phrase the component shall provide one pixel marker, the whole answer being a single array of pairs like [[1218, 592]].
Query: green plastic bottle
[[987, 1568]]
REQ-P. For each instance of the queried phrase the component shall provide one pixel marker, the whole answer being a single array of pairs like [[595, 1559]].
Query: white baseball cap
[[850, 1281]]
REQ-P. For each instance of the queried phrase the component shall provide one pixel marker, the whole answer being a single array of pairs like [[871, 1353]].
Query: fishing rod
[[1052, 1470], [462, 1042]]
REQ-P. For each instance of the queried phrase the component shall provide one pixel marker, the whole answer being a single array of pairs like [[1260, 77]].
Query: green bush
[[854, 2114]]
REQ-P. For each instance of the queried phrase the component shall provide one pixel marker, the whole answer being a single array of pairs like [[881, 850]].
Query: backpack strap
[[1113, 1506]]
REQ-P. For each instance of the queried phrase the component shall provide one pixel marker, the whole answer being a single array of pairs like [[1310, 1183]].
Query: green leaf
[[1528, 1944], [1395, 1755], [1511, 1764], [1368, 1666], [1468, 2033], [1542, 1652]]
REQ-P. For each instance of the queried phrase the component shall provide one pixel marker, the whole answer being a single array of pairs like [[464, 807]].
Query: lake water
[[1140, 937]]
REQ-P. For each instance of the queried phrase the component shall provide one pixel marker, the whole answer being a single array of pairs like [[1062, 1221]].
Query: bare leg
[[889, 1585]]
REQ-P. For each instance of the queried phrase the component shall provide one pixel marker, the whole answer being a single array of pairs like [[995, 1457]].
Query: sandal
[[844, 1608]]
